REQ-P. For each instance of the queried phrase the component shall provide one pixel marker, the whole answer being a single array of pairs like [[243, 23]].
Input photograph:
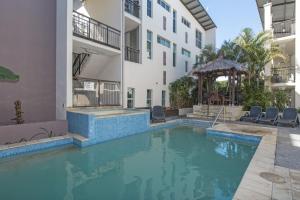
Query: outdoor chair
[[289, 117], [270, 117], [158, 114], [253, 115]]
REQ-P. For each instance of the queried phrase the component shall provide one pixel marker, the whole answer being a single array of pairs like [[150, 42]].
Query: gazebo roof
[[220, 65]]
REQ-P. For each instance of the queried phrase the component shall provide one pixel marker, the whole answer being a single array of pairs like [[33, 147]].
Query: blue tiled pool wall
[[234, 136], [99, 130], [35, 147]]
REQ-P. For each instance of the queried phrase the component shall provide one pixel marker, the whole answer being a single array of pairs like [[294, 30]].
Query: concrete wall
[[149, 73], [27, 46]]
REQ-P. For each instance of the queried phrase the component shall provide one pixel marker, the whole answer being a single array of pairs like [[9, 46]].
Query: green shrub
[[256, 96], [182, 92], [280, 99]]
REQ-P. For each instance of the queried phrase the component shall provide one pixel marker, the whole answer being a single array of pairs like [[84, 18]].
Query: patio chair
[[158, 114], [270, 116], [289, 117], [253, 115]]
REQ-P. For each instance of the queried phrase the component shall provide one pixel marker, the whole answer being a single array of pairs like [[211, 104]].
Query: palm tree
[[208, 54], [258, 50]]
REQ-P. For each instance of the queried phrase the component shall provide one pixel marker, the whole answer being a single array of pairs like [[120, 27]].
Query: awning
[[199, 13], [282, 10]]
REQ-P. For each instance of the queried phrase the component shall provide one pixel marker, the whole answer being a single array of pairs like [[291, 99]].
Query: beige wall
[[27, 46]]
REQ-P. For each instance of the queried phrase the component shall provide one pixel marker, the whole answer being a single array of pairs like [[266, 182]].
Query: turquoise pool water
[[181, 163]]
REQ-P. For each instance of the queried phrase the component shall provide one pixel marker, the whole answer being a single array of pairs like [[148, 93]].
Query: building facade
[[281, 19], [157, 43], [94, 53]]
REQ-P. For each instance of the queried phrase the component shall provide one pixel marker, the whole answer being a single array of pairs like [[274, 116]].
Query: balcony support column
[[63, 57], [297, 55]]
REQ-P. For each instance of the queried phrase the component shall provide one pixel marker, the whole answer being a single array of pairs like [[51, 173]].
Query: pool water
[[181, 163]]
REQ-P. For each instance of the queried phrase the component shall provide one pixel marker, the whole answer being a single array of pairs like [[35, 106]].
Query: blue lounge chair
[[158, 114], [253, 115], [289, 117], [270, 116]]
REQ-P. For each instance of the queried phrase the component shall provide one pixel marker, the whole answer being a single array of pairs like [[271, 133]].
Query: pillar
[[64, 79]]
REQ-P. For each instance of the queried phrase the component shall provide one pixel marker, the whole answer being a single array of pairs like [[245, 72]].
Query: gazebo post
[[230, 86], [233, 87], [200, 89]]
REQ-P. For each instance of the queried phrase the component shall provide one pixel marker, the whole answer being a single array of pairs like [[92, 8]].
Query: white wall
[[63, 57], [297, 55], [102, 10], [149, 74]]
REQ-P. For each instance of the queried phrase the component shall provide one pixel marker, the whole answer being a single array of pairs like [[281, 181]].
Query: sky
[[231, 16]]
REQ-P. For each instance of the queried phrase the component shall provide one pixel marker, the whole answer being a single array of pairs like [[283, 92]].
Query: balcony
[[132, 7], [283, 29], [132, 55], [283, 75], [93, 30]]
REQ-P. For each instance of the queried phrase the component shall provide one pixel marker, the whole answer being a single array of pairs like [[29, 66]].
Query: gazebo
[[217, 68]]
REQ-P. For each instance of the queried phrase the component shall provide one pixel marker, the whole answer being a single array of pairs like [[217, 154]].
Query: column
[[63, 57], [297, 54]]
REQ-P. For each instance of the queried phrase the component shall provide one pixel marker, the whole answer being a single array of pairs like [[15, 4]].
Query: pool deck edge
[[261, 178]]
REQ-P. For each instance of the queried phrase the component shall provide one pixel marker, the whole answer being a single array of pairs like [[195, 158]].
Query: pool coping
[[252, 185]]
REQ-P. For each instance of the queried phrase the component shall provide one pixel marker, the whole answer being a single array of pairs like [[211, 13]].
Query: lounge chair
[[158, 114], [289, 117], [270, 116], [253, 116]]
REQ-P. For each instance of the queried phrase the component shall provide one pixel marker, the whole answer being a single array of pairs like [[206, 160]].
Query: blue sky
[[231, 16]]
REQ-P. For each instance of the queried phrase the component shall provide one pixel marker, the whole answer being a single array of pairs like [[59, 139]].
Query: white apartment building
[[281, 17], [125, 53], [162, 44]]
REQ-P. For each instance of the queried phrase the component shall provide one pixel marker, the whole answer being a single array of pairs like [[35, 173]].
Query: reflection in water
[[179, 163]]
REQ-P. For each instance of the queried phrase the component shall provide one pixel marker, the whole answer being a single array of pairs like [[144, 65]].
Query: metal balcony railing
[[132, 7], [283, 29], [91, 29], [283, 75], [132, 54]]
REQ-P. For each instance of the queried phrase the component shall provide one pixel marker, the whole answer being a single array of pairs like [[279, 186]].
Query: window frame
[[186, 65], [198, 39], [174, 53], [174, 21], [150, 43], [163, 41], [164, 77], [149, 99], [131, 98], [163, 98], [150, 8], [185, 52], [164, 5]]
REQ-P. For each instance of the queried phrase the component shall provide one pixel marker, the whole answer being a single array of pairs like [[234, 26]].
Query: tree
[[208, 54], [258, 50]]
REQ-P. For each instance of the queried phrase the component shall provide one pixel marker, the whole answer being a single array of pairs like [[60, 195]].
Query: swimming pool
[[172, 163]]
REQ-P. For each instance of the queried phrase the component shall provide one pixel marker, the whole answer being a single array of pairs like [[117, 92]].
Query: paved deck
[[273, 172]]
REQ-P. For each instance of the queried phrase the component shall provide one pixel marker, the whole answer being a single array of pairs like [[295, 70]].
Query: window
[[164, 58], [198, 39], [185, 52], [164, 5], [149, 8], [163, 98], [186, 66], [185, 22], [164, 23], [186, 37], [149, 98], [174, 21], [149, 44], [164, 77], [197, 59], [174, 54], [130, 97], [163, 41]]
